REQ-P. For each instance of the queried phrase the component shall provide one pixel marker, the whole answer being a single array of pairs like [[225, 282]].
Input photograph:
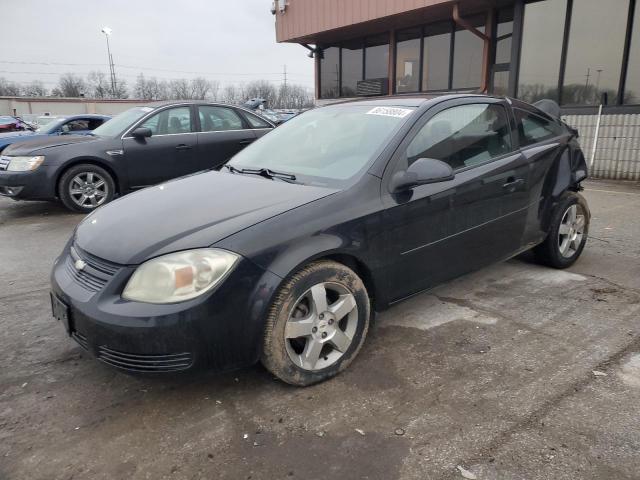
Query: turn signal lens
[[179, 276]]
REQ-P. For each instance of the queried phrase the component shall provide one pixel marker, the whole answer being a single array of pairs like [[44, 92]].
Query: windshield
[[326, 146], [121, 122]]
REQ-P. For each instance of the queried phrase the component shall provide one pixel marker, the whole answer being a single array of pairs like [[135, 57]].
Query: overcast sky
[[231, 41]]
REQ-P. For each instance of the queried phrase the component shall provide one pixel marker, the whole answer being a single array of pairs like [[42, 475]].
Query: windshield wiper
[[264, 172]]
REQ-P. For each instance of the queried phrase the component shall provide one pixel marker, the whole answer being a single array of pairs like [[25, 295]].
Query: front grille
[[4, 162], [145, 363], [81, 339], [95, 272]]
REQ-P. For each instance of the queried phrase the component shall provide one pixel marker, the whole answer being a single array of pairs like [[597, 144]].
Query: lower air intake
[[145, 363]]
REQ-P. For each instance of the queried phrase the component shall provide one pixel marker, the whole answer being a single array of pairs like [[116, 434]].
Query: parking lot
[[517, 371]]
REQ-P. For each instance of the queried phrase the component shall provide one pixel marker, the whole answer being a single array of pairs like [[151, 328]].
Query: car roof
[[409, 100]]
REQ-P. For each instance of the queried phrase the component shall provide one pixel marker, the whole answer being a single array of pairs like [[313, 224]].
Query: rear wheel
[[316, 324], [568, 233], [85, 187]]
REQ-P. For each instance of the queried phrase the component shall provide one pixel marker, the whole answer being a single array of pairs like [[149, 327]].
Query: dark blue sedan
[[72, 124]]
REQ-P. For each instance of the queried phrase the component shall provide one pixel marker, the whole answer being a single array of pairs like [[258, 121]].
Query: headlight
[[24, 164], [179, 276]]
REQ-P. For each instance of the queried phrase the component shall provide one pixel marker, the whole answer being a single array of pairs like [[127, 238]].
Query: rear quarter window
[[534, 128]]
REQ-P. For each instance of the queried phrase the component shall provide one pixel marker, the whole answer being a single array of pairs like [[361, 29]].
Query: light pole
[[112, 71]]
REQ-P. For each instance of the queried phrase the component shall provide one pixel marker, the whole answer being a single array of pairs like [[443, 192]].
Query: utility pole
[[285, 77]]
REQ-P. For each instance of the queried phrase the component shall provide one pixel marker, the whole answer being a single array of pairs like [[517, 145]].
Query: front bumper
[[33, 185], [221, 330]]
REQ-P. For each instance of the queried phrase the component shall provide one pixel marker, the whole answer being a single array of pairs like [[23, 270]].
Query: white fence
[[618, 149]]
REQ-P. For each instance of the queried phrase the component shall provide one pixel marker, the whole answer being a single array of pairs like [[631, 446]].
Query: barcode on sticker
[[390, 111]]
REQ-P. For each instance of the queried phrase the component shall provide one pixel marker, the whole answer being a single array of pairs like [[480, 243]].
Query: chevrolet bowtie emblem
[[80, 264]]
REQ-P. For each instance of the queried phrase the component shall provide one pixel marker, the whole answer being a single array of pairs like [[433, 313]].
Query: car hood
[[36, 145], [191, 212], [15, 135]]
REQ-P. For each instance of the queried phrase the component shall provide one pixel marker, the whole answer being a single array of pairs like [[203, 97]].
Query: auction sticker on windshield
[[390, 111]]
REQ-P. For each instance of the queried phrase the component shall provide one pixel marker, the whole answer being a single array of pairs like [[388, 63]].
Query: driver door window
[[170, 121], [463, 136]]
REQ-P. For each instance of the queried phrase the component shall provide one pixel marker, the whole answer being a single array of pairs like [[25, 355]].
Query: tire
[[94, 181], [296, 326], [566, 238]]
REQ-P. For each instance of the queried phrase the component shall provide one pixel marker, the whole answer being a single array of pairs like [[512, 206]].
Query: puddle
[[630, 372]]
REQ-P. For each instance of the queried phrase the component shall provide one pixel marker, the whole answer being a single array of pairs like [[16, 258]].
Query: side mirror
[[142, 132], [64, 130], [421, 172]]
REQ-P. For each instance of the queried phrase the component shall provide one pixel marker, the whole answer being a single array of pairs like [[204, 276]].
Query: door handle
[[183, 146], [513, 183], [246, 142]]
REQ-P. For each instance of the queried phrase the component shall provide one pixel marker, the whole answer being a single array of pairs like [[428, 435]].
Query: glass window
[[122, 121], [217, 119], [376, 63], [501, 83], [328, 145], [467, 57], [463, 136], [255, 121], [594, 54], [632, 86], [329, 72], [351, 67], [437, 49], [504, 34], [533, 128], [76, 125], [542, 34], [170, 121], [408, 60]]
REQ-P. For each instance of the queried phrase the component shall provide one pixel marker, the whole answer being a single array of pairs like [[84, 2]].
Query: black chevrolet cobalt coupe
[[283, 256]]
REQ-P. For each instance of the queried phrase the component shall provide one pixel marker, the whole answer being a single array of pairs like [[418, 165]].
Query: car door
[[223, 133], [542, 141], [442, 230], [170, 151]]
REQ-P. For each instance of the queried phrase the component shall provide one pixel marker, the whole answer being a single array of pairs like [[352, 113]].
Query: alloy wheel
[[88, 189], [571, 230], [321, 326]]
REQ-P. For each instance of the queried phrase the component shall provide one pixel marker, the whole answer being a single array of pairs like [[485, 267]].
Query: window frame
[[393, 166], [194, 126], [531, 112], [243, 121]]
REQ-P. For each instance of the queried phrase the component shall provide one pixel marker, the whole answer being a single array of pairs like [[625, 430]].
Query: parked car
[[73, 124], [140, 147], [344, 210], [10, 124]]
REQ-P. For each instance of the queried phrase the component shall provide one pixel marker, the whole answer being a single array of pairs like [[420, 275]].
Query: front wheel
[[85, 187], [316, 324], [568, 231]]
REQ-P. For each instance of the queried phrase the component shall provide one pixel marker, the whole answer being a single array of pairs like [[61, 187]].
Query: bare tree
[[230, 94], [99, 86], [35, 89], [9, 89], [180, 89], [71, 85], [120, 89], [200, 88], [294, 96], [261, 89], [150, 89]]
